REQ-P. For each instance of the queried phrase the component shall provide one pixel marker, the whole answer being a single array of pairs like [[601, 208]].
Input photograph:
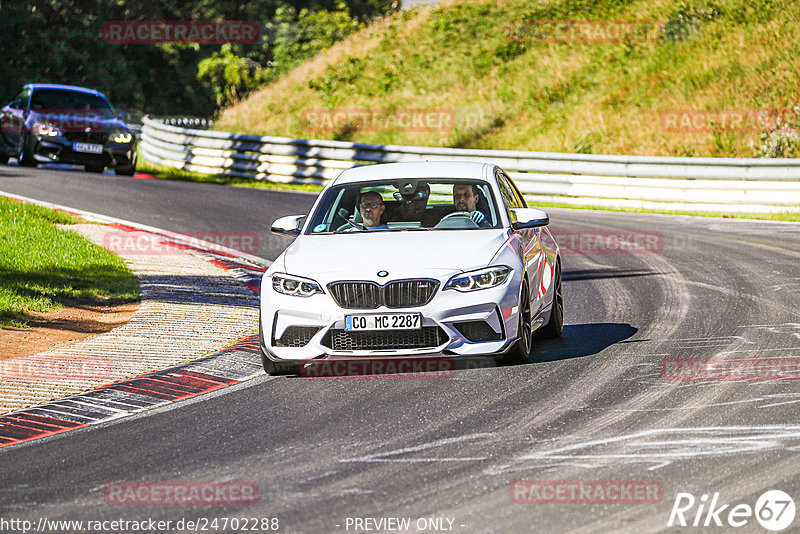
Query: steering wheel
[[352, 226], [456, 214]]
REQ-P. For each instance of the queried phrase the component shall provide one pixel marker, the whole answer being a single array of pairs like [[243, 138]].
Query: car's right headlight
[[46, 130], [482, 279], [295, 286]]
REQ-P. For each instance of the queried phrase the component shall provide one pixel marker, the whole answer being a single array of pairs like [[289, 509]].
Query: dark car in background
[[49, 123]]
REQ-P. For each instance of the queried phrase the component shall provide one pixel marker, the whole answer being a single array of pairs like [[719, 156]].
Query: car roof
[[75, 88], [416, 169]]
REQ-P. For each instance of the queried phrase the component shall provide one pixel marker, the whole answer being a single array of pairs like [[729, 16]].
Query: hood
[[360, 255]]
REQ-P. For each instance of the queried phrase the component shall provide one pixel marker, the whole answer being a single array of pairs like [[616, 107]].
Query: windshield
[[48, 101], [405, 205]]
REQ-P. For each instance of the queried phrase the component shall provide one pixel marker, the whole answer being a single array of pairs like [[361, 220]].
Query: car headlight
[[295, 285], [122, 137], [45, 130], [483, 279]]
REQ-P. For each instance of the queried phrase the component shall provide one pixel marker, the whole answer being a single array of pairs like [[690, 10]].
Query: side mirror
[[289, 226], [528, 218], [16, 104]]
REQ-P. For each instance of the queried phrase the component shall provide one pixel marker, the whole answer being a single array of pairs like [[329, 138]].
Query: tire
[[276, 368], [555, 326], [94, 168], [3, 157], [125, 171], [521, 350], [25, 156]]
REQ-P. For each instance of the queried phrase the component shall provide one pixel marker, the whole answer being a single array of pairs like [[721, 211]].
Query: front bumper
[[60, 150], [454, 324]]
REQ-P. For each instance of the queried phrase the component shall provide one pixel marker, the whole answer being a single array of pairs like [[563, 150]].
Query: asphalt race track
[[598, 405]]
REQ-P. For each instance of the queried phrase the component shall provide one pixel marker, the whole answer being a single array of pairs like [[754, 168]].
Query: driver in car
[[465, 198], [371, 207]]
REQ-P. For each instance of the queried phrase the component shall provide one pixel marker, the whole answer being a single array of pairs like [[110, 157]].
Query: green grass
[[508, 89], [43, 267]]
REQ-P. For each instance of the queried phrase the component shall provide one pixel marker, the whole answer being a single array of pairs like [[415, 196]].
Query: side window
[[517, 194], [511, 197]]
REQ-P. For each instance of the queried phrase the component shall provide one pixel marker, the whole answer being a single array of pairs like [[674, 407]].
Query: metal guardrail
[[697, 184]]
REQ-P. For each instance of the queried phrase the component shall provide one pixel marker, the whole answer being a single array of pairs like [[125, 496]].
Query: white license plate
[[89, 148], [383, 321]]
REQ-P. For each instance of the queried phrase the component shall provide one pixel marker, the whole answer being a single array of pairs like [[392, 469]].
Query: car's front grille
[[477, 331], [297, 336], [397, 294], [87, 137], [426, 337]]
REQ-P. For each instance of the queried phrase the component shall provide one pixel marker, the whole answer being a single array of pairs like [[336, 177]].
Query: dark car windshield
[[73, 102], [406, 204]]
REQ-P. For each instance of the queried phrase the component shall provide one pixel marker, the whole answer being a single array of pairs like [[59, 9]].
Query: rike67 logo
[[774, 510]]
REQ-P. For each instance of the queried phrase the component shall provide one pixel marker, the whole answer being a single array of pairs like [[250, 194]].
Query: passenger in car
[[412, 208]]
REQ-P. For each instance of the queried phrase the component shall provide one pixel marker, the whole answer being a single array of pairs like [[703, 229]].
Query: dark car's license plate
[[89, 148]]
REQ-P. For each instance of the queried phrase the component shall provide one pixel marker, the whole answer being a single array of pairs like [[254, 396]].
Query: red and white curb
[[234, 364]]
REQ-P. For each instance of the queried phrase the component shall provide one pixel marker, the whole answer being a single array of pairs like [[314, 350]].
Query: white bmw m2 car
[[411, 260]]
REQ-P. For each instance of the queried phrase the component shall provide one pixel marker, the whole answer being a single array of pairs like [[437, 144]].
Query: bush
[[780, 140]]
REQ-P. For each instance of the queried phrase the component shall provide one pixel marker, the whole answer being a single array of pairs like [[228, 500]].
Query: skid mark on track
[[658, 448], [395, 455]]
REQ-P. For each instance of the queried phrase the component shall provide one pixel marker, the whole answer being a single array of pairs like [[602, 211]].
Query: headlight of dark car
[[123, 138], [482, 279], [45, 130], [295, 285]]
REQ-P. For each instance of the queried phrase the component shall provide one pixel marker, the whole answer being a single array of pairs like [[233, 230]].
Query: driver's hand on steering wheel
[[477, 216]]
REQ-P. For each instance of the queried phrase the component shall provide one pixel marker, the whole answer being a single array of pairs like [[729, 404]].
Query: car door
[[12, 119], [530, 241]]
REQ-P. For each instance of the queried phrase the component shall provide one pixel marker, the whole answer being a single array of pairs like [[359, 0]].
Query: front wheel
[[522, 348], [555, 326], [276, 368], [25, 156], [125, 171]]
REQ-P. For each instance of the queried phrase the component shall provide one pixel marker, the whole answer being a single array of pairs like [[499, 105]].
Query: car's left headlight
[[296, 286], [482, 279], [122, 137]]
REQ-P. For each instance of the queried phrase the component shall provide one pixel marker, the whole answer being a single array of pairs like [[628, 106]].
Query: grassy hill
[[690, 81]]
